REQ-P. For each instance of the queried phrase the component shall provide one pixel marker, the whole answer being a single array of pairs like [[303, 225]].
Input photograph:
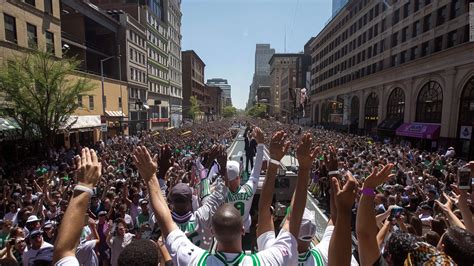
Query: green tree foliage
[[41, 92], [229, 111], [259, 110], [194, 109]]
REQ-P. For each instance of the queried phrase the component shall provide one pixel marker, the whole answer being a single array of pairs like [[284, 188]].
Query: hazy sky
[[224, 33]]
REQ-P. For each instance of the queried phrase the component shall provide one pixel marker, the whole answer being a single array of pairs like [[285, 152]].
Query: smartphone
[[396, 212], [464, 178]]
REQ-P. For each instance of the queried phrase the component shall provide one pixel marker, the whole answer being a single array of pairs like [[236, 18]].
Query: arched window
[[396, 104], [355, 110], [429, 104], [371, 111], [466, 112]]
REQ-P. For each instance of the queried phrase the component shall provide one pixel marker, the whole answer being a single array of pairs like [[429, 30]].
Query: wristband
[[336, 172], [368, 192], [275, 162], [84, 189]]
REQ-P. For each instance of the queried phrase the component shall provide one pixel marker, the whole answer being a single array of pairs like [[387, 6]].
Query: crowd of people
[[175, 197]]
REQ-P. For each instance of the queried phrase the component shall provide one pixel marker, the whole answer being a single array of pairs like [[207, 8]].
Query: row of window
[[153, 55], [91, 102], [137, 39], [48, 5], [137, 56], [155, 24], [137, 75], [31, 34], [157, 41], [157, 72]]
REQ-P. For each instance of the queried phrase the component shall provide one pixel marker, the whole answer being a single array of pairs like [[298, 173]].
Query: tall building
[[397, 68], [261, 76], [226, 89], [175, 74], [193, 83], [163, 95], [288, 78], [337, 6]]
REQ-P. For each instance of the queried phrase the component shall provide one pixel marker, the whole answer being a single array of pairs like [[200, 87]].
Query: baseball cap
[[233, 170], [35, 233], [144, 201], [181, 191], [33, 218], [308, 226], [48, 225], [102, 213]]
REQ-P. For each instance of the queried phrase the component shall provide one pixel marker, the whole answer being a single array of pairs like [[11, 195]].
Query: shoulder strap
[[202, 261]]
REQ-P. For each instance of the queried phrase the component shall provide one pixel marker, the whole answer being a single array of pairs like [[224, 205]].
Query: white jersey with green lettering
[[243, 197], [183, 252]]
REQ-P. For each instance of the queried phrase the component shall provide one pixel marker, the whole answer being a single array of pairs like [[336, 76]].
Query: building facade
[[175, 75], [226, 89], [337, 5], [404, 70], [215, 102], [193, 82], [261, 76]]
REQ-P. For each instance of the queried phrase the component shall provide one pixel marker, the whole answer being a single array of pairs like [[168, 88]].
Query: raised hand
[[344, 197], [222, 160], [88, 168], [258, 135], [211, 156], [304, 153], [164, 162], [376, 179], [147, 166], [446, 207], [331, 160], [279, 146]]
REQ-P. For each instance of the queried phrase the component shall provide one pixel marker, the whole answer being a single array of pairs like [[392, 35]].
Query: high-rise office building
[[226, 89], [261, 76]]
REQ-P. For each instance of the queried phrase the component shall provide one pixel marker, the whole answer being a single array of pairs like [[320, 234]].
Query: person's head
[[417, 225], [144, 206], [53, 207], [121, 227], [29, 191], [227, 224], [135, 198], [379, 199], [398, 246], [48, 229], [181, 199], [94, 200], [102, 217], [233, 175], [20, 244], [132, 255], [6, 226], [122, 209], [432, 238], [36, 239], [438, 226], [12, 207], [307, 231], [459, 245], [33, 223]]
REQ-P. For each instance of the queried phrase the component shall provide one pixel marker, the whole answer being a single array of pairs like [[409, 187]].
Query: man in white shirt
[[39, 251], [119, 242], [12, 214]]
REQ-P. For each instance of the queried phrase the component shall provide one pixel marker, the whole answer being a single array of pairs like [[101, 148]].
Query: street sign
[[103, 128]]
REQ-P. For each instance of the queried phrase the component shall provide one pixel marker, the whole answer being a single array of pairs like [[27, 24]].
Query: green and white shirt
[[183, 252], [243, 197]]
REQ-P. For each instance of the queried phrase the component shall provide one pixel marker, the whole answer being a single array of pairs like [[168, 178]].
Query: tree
[[194, 109], [41, 92], [259, 110], [229, 111]]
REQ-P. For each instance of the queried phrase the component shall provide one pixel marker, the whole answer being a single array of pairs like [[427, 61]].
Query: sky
[[224, 34]]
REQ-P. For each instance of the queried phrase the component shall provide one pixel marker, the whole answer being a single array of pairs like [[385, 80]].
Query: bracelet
[[336, 172], [275, 162], [84, 189], [368, 192]]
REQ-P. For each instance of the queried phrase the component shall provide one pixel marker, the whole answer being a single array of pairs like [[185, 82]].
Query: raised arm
[[448, 212], [147, 168], [366, 226], [278, 148], [255, 175], [305, 158], [88, 174], [340, 244]]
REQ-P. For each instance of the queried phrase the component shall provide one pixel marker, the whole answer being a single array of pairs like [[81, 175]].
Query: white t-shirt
[[183, 252], [86, 255], [243, 197], [319, 255], [117, 244], [67, 261], [45, 252]]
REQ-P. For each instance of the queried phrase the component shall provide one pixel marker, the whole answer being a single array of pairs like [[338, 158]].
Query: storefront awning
[[115, 114], [419, 130], [76, 122], [390, 124]]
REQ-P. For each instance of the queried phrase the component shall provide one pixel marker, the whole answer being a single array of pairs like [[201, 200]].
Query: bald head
[[227, 223]]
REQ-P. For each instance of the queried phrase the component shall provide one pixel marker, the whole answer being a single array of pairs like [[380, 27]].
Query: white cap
[[233, 170], [32, 218], [308, 226]]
